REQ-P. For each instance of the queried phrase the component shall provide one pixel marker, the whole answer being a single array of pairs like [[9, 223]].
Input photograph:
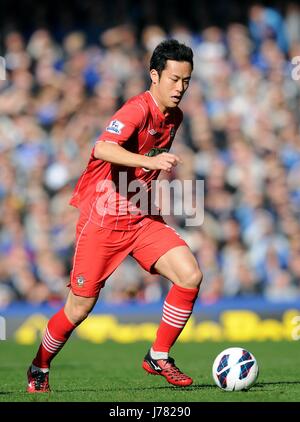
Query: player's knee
[[192, 279], [195, 278], [77, 314]]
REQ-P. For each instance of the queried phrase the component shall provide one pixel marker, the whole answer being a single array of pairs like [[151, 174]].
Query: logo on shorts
[[80, 280]]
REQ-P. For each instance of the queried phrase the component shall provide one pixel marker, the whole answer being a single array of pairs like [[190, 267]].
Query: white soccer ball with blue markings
[[235, 369]]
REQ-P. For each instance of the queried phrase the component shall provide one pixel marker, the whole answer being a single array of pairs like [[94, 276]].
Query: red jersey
[[105, 192]]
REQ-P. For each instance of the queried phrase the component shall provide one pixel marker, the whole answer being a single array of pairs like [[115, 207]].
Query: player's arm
[[116, 154]]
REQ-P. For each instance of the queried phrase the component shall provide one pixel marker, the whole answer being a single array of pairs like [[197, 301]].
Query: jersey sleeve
[[125, 122]]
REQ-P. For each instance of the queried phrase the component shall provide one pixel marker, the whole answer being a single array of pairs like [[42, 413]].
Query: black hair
[[170, 50]]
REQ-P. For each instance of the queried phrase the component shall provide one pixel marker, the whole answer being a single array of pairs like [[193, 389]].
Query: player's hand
[[164, 161]]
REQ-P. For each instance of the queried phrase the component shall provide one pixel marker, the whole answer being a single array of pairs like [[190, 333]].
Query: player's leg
[[180, 266], [170, 256], [95, 259], [59, 329]]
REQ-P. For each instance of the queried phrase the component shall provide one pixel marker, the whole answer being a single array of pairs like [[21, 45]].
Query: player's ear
[[154, 76]]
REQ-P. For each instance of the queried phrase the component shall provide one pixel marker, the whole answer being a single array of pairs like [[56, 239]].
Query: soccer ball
[[235, 369]]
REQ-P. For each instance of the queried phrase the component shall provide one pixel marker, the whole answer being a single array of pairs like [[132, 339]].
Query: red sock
[[177, 309], [58, 331]]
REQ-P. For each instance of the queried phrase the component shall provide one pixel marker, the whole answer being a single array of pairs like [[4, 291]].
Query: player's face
[[169, 88]]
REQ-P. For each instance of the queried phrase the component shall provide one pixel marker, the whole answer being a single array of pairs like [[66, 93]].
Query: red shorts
[[99, 251]]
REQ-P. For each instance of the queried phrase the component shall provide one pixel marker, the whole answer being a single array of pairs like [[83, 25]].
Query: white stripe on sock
[[175, 317], [52, 339], [180, 311], [50, 344], [171, 323], [50, 348]]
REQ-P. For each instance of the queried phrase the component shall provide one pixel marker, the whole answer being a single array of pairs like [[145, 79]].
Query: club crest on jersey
[[115, 126]]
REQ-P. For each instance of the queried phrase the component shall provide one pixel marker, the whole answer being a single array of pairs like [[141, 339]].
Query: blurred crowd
[[240, 135]]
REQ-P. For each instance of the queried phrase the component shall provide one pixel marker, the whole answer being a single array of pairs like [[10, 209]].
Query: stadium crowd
[[240, 135]]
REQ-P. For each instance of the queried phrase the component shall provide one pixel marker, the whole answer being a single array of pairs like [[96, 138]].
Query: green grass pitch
[[111, 372]]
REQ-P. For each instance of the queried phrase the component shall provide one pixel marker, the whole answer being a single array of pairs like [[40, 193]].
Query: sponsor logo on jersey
[[152, 132], [115, 126], [153, 152]]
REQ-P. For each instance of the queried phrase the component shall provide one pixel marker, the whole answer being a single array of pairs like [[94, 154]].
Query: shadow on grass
[[195, 387], [264, 384], [152, 388], [107, 390]]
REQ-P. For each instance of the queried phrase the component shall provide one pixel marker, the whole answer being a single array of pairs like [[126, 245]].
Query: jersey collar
[[155, 107]]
